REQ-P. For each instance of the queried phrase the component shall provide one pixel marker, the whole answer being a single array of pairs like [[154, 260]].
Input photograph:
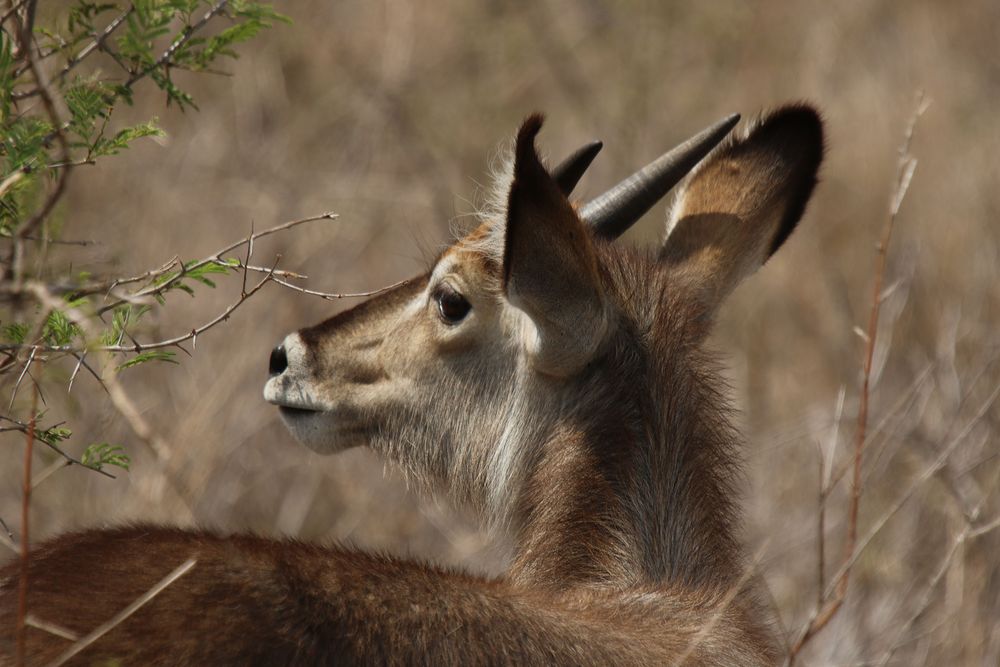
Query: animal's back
[[255, 601]]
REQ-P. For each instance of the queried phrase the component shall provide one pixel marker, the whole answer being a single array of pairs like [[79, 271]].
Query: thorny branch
[[96, 45], [181, 40], [50, 300], [42, 292], [43, 88], [32, 427], [52, 109], [120, 398], [214, 258], [833, 597]]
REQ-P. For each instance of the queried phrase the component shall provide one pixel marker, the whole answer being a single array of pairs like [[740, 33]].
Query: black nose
[[278, 362]]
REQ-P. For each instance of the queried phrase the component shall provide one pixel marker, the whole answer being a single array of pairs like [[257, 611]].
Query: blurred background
[[390, 112]]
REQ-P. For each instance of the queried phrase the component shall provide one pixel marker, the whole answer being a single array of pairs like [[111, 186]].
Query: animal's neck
[[645, 504]]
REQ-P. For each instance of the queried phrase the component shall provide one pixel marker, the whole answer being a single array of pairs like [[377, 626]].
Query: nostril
[[278, 361]]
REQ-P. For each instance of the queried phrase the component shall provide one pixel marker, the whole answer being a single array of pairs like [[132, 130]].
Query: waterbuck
[[552, 379]]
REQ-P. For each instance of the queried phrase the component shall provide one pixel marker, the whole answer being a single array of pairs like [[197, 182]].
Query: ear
[[549, 266], [742, 204]]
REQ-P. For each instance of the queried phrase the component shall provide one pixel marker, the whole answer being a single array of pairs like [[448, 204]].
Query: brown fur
[[612, 466], [254, 601]]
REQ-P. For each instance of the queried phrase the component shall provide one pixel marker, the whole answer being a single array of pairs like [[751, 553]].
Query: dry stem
[[831, 601], [22, 584], [121, 616]]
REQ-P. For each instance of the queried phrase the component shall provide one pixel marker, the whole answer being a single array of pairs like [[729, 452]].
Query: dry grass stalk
[[830, 602], [22, 584], [120, 617]]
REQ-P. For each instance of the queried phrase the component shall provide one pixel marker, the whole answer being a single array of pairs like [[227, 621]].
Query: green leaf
[[102, 454], [87, 102], [122, 318], [6, 74], [53, 435], [59, 329], [15, 333], [81, 17], [24, 142], [124, 137], [148, 355], [197, 272]]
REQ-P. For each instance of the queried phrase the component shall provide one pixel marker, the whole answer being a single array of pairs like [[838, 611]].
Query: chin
[[319, 430]]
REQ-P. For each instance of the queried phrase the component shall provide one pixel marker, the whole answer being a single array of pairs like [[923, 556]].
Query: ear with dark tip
[[741, 205], [611, 214], [569, 172], [549, 266]]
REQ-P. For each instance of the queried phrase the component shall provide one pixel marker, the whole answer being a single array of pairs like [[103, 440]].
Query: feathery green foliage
[[64, 75]]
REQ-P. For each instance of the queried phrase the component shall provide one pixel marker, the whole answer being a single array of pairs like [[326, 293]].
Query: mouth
[[297, 413], [293, 412], [291, 398], [321, 427], [323, 431]]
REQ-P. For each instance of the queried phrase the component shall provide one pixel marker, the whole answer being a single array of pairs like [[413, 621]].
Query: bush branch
[[831, 601]]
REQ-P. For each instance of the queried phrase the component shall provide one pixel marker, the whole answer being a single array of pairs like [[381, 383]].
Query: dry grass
[[387, 113]]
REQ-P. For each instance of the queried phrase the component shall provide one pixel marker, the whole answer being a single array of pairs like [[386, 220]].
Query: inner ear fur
[[742, 204], [549, 265]]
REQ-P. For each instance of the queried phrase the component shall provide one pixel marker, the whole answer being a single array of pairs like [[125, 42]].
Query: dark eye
[[451, 305]]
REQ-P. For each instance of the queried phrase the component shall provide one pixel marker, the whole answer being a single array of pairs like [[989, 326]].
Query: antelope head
[[535, 340]]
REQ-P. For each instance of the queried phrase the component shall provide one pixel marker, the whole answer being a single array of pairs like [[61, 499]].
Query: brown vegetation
[[381, 111]]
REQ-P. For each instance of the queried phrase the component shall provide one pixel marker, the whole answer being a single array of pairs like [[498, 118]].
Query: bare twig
[[10, 181], [20, 378], [985, 528], [197, 331], [142, 277], [821, 529], [45, 626], [214, 258], [81, 362], [708, 627], [121, 616], [22, 585], [918, 482], [95, 45], [55, 467], [98, 43], [831, 603], [6, 531], [44, 294], [192, 335], [142, 295], [925, 598], [7, 540], [277, 273], [332, 296], [51, 241]]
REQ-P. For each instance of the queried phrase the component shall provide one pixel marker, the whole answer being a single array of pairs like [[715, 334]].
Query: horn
[[612, 213], [568, 172]]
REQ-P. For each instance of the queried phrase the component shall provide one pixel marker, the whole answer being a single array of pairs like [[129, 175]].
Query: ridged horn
[[569, 172], [613, 212]]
